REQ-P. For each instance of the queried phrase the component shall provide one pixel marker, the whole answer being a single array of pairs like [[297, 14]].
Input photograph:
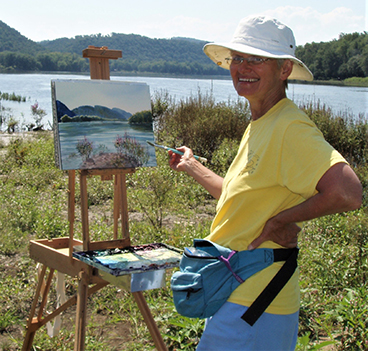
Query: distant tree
[[48, 62], [343, 71], [354, 66], [342, 58], [364, 63], [19, 61]]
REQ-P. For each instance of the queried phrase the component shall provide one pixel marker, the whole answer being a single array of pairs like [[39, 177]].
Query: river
[[37, 87]]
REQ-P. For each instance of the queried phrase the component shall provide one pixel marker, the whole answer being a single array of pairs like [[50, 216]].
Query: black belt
[[275, 285]]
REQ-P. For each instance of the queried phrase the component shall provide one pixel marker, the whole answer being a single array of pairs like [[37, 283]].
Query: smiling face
[[262, 84]]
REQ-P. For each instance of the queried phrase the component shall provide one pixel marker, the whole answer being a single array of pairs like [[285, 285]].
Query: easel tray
[[132, 259]]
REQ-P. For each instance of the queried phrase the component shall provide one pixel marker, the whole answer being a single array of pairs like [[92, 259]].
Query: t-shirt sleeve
[[305, 158]]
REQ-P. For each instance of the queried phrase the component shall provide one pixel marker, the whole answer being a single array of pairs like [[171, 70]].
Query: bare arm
[[205, 177], [339, 190]]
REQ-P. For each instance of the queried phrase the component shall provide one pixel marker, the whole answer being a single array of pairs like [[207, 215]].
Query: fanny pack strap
[[274, 286], [228, 265]]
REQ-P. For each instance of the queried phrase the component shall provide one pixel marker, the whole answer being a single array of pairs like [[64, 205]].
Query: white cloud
[[307, 23], [310, 25]]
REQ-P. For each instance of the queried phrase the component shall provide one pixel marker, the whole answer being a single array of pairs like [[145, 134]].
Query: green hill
[[11, 40], [143, 54], [135, 47]]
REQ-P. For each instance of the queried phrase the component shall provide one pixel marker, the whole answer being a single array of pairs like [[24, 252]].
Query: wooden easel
[[57, 254]]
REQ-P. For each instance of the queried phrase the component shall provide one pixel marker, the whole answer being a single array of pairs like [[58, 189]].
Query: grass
[[169, 207], [356, 81], [352, 82]]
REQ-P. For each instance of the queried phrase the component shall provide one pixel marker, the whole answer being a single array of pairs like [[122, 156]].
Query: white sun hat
[[260, 36]]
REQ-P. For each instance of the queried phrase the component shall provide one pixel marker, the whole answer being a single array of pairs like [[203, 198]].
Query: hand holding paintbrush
[[198, 158]]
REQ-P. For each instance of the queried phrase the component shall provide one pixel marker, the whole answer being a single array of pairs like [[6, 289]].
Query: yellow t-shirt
[[281, 158]]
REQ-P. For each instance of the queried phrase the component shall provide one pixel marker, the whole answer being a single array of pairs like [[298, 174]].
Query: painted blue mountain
[[63, 110], [102, 111], [92, 111]]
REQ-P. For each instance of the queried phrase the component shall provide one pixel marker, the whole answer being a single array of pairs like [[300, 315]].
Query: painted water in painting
[[101, 124]]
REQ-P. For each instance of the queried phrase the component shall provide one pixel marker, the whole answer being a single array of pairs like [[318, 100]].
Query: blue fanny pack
[[209, 273]]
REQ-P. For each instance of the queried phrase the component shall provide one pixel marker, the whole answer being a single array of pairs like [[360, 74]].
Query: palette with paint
[[132, 259]]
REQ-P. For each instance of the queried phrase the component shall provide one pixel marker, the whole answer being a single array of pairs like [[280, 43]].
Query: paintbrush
[[199, 158]]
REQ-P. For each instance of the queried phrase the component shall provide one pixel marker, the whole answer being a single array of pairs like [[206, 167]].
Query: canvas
[[102, 124]]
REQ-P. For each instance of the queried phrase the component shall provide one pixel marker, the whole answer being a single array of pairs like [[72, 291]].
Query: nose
[[244, 66]]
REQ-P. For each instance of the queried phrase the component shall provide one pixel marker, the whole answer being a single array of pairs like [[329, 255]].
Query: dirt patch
[[6, 138], [99, 324]]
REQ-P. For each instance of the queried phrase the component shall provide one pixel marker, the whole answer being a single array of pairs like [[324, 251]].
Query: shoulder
[[287, 120], [291, 113]]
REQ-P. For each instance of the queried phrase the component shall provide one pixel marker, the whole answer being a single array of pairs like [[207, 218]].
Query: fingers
[[174, 160], [257, 242], [183, 149], [178, 162], [286, 236]]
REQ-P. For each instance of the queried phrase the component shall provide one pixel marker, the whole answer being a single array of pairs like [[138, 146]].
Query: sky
[[210, 20], [105, 93]]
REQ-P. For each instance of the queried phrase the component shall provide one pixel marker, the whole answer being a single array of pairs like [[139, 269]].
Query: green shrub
[[224, 156], [160, 192], [346, 133], [199, 122]]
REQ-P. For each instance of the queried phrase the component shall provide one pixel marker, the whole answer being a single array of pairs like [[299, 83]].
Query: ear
[[286, 69]]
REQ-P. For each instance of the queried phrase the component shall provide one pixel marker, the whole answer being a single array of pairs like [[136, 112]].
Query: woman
[[285, 173]]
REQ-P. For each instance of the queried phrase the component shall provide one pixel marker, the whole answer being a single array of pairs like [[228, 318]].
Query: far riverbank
[[348, 82]]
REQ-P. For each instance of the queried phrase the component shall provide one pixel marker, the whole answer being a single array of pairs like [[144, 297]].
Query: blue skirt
[[227, 331]]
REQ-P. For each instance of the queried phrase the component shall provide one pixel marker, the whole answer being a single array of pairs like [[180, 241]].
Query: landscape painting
[[102, 124]]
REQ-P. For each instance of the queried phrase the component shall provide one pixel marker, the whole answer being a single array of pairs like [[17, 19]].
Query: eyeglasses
[[252, 60]]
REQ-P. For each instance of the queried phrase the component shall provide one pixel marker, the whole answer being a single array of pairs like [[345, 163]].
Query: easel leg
[[28, 340], [33, 323], [150, 322], [80, 323]]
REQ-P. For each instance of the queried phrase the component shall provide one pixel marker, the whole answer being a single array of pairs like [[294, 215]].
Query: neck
[[260, 108]]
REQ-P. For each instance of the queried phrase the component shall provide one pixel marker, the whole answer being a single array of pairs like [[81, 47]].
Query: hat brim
[[219, 52]]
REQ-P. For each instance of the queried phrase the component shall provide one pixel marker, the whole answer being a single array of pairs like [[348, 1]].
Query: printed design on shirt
[[251, 166]]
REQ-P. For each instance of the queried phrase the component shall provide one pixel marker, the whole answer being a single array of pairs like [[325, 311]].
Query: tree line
[[338, 59], [11, 62], [45, 61]]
